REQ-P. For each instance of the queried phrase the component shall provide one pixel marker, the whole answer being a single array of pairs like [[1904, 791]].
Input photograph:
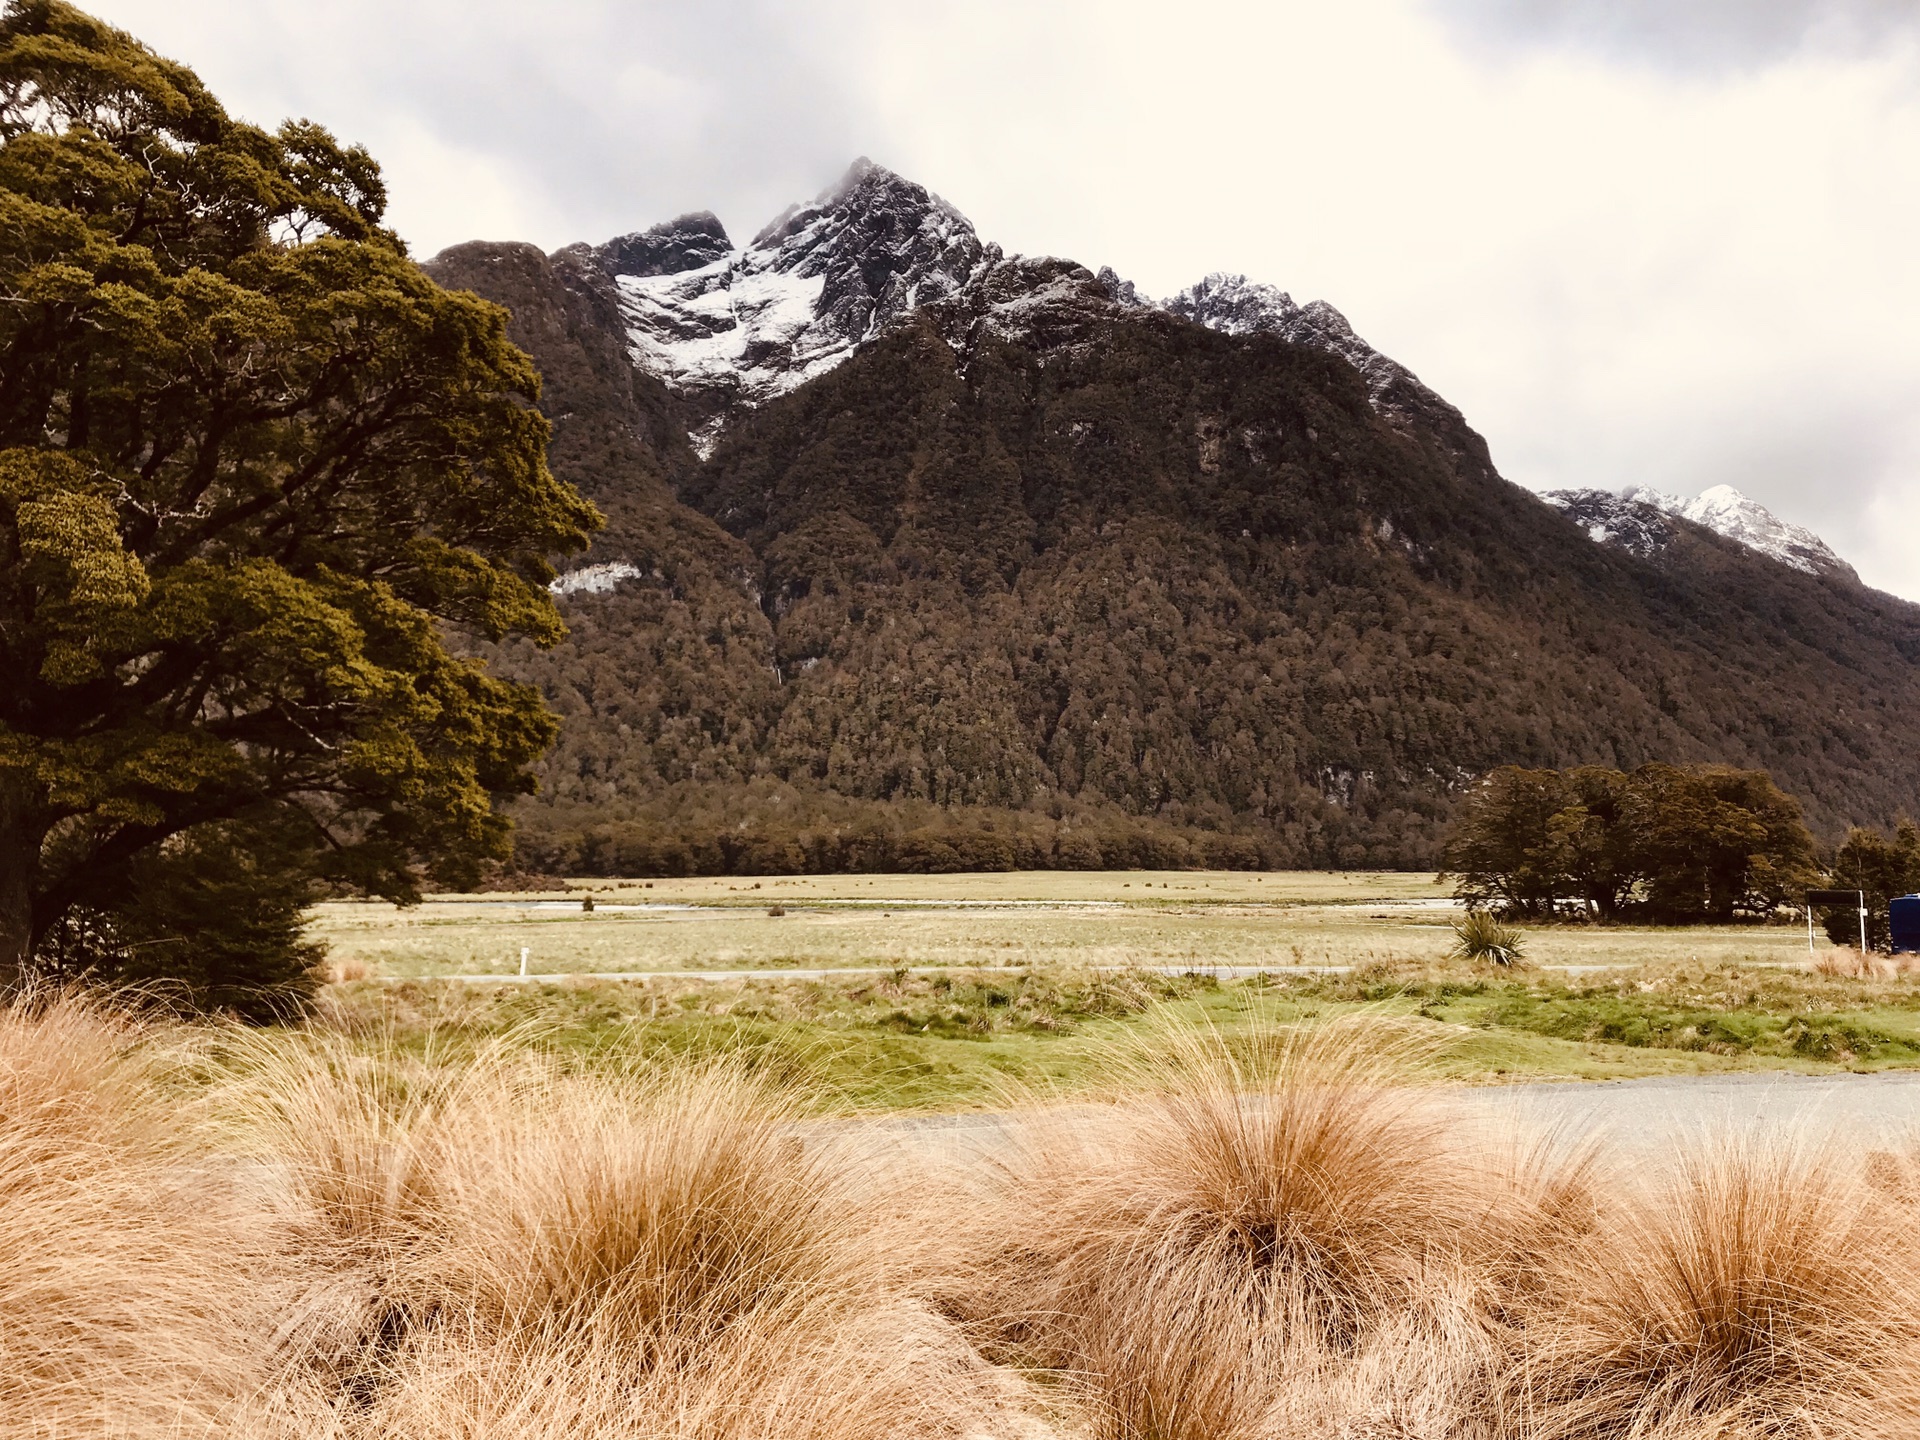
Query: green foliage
[[794, 832], [1481, 937], [211, 919], [1882, 866], [1661, 843], [254, 466]]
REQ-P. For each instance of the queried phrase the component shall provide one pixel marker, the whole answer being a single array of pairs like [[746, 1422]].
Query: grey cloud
[[1688, 34], [606, 115]]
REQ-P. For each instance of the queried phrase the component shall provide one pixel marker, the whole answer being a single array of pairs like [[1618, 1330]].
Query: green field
[[1035, 919], [968, 990]]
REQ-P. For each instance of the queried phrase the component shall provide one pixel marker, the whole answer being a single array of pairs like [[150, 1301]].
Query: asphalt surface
[[1659, 1116], [1662, 1111]]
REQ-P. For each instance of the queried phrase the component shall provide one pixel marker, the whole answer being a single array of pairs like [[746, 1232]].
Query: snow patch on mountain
[[595, 579], [728, 326], [1630, 519], [1634, 525]]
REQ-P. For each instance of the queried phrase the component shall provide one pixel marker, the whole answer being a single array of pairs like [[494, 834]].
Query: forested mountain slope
[[1036, 573]]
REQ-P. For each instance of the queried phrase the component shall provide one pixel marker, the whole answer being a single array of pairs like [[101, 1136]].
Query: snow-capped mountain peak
[[726, 326], [723, 326], [1631, 519]]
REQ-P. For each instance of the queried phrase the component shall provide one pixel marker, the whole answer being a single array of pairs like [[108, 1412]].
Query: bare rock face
[[691, 242], [729, 329], [1640, 528], [726, 329]]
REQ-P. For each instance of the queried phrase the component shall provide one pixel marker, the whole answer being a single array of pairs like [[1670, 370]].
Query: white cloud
[[1636, 242]]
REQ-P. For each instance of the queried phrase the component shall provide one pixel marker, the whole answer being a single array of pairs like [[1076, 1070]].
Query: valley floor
[[954, 992]]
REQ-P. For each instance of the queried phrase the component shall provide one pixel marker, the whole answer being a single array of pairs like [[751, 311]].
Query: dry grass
[[1761, 1289], [216, 1233], [1262, 1232], [133, 1274], [1841, 963]]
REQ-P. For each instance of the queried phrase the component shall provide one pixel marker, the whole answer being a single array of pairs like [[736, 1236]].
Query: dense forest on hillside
[[1106, 586]]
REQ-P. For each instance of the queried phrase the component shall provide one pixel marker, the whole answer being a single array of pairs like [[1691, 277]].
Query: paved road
[[1662, 1111], [1659, 1114]]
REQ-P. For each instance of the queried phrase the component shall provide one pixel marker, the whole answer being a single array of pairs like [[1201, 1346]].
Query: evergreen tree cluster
[[1662, 843]]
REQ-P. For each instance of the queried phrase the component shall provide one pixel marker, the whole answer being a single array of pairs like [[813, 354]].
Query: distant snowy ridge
[[1635, 520], [1235, 305], [727, 327]]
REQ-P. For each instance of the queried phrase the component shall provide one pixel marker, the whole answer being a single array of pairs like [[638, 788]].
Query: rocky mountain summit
[[1235, 305], [1639, 519], [728, 328]]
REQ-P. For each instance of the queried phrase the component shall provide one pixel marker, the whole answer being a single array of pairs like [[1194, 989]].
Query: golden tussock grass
[[221, 1233], [1841, 963]]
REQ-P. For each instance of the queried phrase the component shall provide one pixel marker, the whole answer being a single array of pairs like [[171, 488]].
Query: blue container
[[1903, 920]]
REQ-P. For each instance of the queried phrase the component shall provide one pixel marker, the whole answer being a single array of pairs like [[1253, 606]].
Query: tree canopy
[[255, 467], [1660, 842]]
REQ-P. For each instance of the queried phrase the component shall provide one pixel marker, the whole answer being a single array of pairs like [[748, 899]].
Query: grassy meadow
[[634, 1198], [1031, 919], [871, 993]]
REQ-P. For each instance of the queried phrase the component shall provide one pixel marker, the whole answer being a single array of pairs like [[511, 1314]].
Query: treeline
[[1659, 843], [634, 849]]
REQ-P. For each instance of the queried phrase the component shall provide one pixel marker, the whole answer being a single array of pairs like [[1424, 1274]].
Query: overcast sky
[[1666, 242]]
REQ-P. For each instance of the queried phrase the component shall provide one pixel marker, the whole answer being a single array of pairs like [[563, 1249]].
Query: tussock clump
[[1842, 963], [1255, 1213], [1482, 938], [501, 1248], [653, 1212], [1759, 1290], [687, 1238], [1267, 1236], [132, 1282]]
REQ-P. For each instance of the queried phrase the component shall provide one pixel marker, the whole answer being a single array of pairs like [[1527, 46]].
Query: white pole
[[1809, 929], [1863, 920], [523, 959]]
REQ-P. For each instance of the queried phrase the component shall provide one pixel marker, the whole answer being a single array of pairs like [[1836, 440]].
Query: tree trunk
[[22, 829]]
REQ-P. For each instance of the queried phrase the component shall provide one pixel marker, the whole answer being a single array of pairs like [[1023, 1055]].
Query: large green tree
[[1660, 842], [255, 469]]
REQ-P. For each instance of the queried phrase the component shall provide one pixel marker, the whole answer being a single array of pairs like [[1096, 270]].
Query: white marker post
[[1809, 929], [523, 959]]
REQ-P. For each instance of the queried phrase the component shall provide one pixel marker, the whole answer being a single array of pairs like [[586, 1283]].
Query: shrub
[[1481, 937]]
